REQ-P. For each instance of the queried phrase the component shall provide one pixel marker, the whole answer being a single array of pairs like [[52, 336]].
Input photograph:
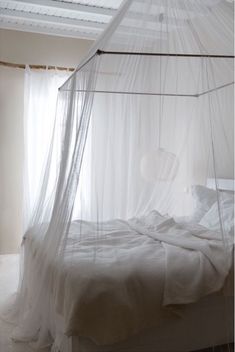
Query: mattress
[[121, 278]]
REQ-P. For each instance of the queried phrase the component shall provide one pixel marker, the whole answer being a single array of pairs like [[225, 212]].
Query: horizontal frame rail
[[149, 93], [216, 88], [131, 93], [214, 56]]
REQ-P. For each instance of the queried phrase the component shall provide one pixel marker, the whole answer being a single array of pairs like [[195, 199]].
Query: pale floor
[[8, 284]]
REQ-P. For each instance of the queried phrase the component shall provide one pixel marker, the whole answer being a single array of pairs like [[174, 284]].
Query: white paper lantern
[[159, 165]]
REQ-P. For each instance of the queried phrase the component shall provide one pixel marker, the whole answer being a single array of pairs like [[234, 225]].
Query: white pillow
[[211, 218], [203, 198]]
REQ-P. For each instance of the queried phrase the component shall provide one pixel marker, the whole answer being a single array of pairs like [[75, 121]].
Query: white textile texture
[[40, 99]]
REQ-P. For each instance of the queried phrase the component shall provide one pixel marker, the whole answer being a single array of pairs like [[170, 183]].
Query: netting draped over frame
[[144, 118]]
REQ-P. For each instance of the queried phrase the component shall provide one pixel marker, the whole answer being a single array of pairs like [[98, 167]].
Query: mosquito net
[[143, 123]]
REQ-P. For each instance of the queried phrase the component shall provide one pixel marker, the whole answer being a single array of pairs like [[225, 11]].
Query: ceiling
[[86, 18], [68, 18]]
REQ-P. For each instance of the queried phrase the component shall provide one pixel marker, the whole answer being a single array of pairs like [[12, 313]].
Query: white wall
[[25, 48]]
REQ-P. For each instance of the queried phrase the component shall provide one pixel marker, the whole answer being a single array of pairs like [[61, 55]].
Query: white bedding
[[119, 276]]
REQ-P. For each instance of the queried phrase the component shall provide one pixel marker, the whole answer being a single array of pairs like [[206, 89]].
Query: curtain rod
[[36, 67], [102, 52]]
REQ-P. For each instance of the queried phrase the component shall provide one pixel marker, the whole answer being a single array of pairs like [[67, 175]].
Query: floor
[[8, 285]]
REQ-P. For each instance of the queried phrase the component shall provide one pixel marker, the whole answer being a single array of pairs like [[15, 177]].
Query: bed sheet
[[121, 277]]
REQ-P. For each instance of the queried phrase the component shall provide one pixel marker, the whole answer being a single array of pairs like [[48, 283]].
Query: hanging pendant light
[[159, 165]]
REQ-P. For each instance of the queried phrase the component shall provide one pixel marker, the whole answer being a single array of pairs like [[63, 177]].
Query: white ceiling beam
[[49, 31], [141, 34], [133, 30], [36, 17], [62, 21], [195, 8], [67, 6], [148, 18]]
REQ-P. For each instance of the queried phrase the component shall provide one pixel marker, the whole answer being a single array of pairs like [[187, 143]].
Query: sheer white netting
[[145, 117]]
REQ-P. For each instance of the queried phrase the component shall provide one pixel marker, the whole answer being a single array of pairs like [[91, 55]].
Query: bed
[[127, 285]]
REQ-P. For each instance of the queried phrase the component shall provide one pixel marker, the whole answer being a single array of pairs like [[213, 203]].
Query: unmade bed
[[148, 282]]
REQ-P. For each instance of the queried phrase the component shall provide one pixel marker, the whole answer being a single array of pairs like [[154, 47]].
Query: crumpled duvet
[[118, 276], [197, 260]]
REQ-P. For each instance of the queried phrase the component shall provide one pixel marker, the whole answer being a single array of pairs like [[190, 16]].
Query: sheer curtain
[[40, 100]]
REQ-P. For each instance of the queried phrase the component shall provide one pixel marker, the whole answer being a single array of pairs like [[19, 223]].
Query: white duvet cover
[[120, 277]]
